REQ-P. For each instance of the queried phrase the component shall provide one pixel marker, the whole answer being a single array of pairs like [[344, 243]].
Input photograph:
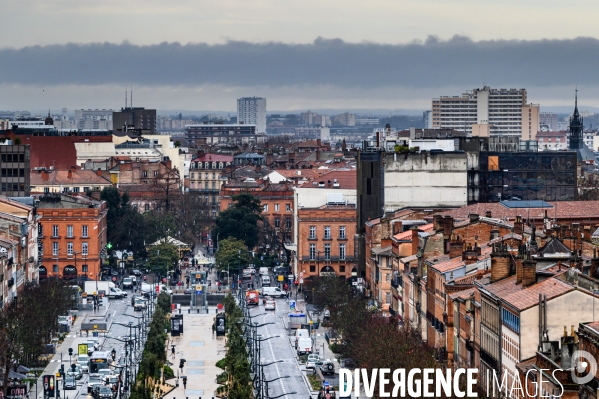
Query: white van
[[301, 333], [263, 271], [265, 281], [304, 346], [273, 292]]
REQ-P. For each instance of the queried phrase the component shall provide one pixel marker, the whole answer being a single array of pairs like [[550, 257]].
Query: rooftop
[[214, 158]]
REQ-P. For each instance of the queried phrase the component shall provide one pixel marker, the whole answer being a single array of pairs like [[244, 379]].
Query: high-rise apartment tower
[[252, 111]]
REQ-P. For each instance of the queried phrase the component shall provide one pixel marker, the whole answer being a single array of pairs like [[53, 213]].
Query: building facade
[[207, 175], [530, 121], [136, 119], [14, 170], [223, 134], [499, 108], [326, 241], [73, 234], [252, 111]]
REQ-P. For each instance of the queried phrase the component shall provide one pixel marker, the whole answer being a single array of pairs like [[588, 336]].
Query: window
[[193, 175], [85, 189], [55, 268], [54, 231], [46, 189], [84, 231], [265, 208], [288, 207], [327, 232], [75, 189], [341, 268], [147, 207], [388, 298], [277, 223], [69, 248], [55, 248], [327, 251], [69, 231], [312, 251], [387, 276], [155, 173], [342, 232], [312, 232], [145, 173], [312, 269], [276, 207], [287, 223], [84, 268], [341, 251], [214, 175], [213, 185], [84, 248]]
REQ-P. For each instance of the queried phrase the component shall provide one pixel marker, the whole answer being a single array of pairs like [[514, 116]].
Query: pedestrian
[[185, 382]]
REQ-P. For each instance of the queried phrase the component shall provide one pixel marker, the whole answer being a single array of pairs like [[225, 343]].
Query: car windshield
[[127, 280], [105, 390], [82, 359]]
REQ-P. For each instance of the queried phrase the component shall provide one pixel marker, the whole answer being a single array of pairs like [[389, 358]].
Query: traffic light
[[70, 351], [73, 367], [62, 370]]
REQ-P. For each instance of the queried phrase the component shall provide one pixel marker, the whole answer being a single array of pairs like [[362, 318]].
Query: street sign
[[157, 289], [359, 280], [82, 349], [198, 292], [291, 305], [49, 381], [280, 278]]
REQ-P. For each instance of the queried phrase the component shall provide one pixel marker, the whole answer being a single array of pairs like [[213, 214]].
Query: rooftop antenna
[[126, 98], [131, 96]]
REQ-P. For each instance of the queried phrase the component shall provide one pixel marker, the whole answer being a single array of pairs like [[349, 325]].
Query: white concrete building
[[252, 111], [425, 180], [499, 108], [93, 119]]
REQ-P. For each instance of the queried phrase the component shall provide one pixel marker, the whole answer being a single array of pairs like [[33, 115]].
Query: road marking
[[272, 352]]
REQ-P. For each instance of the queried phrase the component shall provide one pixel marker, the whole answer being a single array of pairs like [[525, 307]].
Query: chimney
[[99, 172], [70, 174], [489, 214], [386, 242], [519, 260], [318, 155], [500, 263], [470, 255], [447, 229], [45, 175], [318, 142], [438, 222], [518, 225], [594, 265], [494, 234], [385, 227], [529, 272], [455, 248], [397, 227], [474, 217], [415, 241]]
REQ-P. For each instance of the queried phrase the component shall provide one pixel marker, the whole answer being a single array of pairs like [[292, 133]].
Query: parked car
[[140, 304], [188, 291], [100, 391], [127, 282], [120, 292], [313, 361], [136, 272], [327, 367], [70, 382], [133, 298]]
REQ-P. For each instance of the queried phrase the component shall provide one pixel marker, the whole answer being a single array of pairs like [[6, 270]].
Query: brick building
[[326, 240], [73, 233], [70, 180]]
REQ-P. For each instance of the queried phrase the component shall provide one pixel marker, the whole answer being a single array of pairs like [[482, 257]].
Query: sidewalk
[[201, 350], [63, 348]]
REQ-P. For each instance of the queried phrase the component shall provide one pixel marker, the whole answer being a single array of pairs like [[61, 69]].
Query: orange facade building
[[326, 241], [73, 234]]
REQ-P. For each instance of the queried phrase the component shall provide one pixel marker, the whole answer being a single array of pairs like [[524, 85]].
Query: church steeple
[[576, 127]]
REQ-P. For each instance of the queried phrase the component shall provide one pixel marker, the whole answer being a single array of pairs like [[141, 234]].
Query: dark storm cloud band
[[433, 63]]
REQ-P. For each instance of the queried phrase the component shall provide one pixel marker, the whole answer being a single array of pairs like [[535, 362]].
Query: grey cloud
[[432, 63]]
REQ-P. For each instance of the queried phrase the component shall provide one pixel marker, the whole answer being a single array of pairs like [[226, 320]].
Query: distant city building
[[135, 119], [323, 133], [367, 121], [501, 109], [249, 159], [427, 119], [207, 175], [252, 111], [552, 141], [93, 118], [218, 133], [530, 121], [549, 119], [345, 119]]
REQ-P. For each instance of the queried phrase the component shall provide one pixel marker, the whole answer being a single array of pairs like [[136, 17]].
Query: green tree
[[121, 216], [159, 225], [231, 254], [241, 221], [162, 258]]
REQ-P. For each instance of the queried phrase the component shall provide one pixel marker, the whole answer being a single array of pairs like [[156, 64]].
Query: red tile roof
[[525, 298], [347, 179], [58, 177], [407, 235], [563, 210]]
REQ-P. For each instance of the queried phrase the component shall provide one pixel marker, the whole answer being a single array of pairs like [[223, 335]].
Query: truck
[[106, 288], [252, 297]]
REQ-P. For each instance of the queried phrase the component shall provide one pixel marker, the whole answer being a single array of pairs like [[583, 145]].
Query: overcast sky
[[203, 54]]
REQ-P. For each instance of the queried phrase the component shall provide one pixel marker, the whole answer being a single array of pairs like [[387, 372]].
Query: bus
[[99, 361]]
